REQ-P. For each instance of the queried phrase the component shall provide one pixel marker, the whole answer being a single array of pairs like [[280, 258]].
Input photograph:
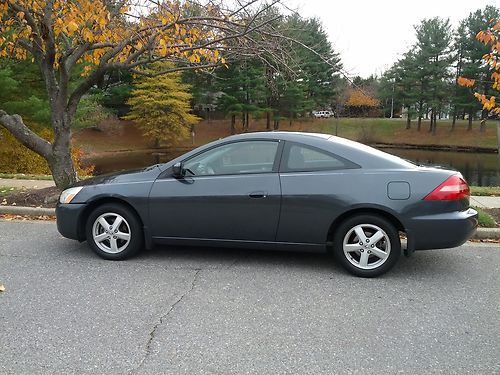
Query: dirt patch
[[46, 198]]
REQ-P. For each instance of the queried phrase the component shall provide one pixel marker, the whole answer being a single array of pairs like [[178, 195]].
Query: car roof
[[284, 135], [357, 152], [365, 156]]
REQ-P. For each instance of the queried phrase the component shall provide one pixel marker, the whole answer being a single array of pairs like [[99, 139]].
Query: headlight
[[68, 194]]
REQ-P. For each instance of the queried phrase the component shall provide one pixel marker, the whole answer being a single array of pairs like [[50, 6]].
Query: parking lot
[[214, 311]]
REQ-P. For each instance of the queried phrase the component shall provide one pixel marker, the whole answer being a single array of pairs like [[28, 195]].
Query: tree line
[[69, 64], [423, 83]]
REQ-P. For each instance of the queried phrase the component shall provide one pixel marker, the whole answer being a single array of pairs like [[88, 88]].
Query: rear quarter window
[[303, 158]]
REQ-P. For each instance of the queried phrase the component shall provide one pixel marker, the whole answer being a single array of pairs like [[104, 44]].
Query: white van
[[322, 114]]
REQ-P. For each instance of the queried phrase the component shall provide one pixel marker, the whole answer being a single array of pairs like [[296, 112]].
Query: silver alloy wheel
[[111, 233], [366, 246]]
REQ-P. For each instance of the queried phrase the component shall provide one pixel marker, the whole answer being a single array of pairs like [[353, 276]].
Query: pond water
[[480, 169]]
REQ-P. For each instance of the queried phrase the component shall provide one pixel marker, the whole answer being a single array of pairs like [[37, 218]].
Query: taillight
[[453, 188]]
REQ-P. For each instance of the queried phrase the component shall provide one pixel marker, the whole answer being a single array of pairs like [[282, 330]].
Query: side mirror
[[178, 170]]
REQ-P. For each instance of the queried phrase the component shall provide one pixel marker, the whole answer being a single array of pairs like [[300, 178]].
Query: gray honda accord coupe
[[275, 190]]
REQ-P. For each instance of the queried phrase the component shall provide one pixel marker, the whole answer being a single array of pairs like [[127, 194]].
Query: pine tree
[[433, 52], [160, 105]]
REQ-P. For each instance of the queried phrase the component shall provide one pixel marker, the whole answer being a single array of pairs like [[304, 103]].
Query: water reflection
[[478, 168]]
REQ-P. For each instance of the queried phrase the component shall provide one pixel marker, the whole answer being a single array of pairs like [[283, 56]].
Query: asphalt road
[[211, 311]]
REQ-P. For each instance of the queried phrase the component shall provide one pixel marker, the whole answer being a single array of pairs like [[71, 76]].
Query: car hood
[[137, 175]]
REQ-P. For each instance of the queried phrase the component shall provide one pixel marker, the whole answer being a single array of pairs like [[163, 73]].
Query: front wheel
[[114, 232], [367, 245]]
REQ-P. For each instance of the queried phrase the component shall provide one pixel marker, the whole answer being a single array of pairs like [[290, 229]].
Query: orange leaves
[[358, 98], [466, 82], [158, 29], [71, 27], [488, 103], [488, 37], [495, 77]]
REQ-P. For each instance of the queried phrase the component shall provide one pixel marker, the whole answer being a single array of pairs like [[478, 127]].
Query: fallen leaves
[[10, 217]]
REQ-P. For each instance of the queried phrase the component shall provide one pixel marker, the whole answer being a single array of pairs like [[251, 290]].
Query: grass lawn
[[123, 135], [393, 131], [22, 176], [4, 191], [492, 191]]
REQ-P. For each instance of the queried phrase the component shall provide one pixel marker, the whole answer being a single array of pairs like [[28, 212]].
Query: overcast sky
[[371, 35]]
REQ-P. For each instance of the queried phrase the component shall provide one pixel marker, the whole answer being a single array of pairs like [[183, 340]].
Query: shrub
[[16, 158]]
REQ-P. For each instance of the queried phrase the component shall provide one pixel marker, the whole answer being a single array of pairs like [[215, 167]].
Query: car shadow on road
[[420, 264]]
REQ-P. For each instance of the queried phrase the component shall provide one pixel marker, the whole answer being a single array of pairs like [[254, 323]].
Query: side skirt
[[241, 244]]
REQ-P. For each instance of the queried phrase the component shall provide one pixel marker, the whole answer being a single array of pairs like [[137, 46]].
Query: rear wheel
[[114, 232], [367, 245]]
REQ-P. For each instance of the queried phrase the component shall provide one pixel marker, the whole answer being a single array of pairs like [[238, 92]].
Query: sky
[[371, 35]]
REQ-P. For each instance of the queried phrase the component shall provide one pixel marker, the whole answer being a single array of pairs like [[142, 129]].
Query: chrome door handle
[[258, 194]]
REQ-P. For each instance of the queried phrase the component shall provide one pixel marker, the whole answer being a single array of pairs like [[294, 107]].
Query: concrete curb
[[481, 234], [487, 234], [31, 211]]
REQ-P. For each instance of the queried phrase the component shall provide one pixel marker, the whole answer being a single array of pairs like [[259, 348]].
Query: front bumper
[[441, 231], [70, 221]]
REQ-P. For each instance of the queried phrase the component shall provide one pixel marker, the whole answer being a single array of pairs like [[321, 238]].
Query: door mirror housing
[[178, 170]]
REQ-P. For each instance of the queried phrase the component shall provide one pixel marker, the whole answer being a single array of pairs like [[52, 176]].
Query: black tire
[[130, 225], [370, 265]]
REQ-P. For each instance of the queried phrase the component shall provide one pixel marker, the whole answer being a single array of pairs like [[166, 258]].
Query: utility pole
[[392, 101]]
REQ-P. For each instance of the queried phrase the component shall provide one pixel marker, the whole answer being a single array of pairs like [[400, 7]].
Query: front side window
[[305, 158], [234, 158]]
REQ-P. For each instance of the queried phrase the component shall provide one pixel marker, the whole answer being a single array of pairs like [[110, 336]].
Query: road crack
[[152, 333]]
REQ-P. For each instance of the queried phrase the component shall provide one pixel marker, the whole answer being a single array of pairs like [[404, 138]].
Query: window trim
[[276, 162], [286, 153]]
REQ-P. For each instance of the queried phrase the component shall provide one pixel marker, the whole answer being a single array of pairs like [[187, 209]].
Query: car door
[[309, 176], [230, 192]]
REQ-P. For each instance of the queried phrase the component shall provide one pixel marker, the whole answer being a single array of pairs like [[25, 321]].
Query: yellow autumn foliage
[[489, 37], [358, 98], [104, 28], [16, 158]]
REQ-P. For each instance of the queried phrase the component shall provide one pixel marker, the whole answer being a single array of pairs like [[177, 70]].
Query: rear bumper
[[69, 222], [441, 231]]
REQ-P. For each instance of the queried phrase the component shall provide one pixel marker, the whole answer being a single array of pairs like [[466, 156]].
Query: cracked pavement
[[227, 311]]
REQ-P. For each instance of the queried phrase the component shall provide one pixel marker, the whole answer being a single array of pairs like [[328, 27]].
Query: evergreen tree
[[433, 53], [22, 91], [160, 105]]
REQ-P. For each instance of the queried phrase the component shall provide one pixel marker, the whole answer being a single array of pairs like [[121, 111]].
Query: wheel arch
[[363, 211], [91, 206]]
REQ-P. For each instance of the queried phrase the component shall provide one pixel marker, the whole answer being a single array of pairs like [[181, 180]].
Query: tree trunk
[[419, 123], [268, 120], [469, 127], [247, 120], [431, 124], [484, 117], [498, 139], [408, 122], [233, 124], [57, 155], [276, 124], [454, 121], [63, 169], [434, 123]]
